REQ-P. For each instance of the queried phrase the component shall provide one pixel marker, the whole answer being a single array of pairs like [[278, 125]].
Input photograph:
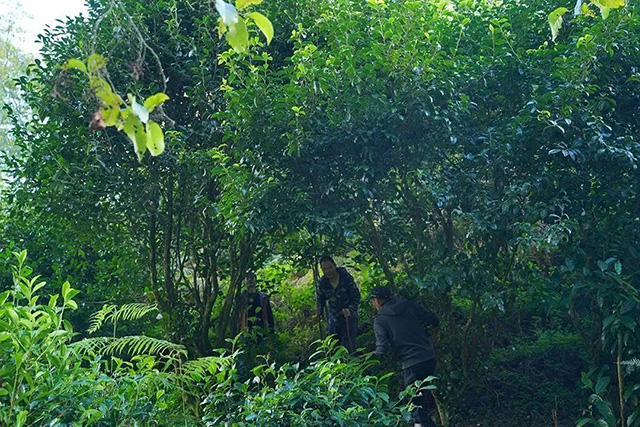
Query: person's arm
[[354, 293], [425, 316], [382, 340], [242, 309], [268, 314]]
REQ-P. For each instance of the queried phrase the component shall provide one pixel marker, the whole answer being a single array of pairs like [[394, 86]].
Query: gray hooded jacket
[[398, 326]]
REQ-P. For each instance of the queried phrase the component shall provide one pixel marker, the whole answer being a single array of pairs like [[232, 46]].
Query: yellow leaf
[[264, 24], [154, 100], [134, 130], [95, 63], [238, 37], [75, 64], [110, 115], [613, 4], [155, 138], [555, 21], [241, 4], [605, 6]]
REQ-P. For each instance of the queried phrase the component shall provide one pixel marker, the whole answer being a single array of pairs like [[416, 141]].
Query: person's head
[[379, 296], [250, 282], [329, 267]]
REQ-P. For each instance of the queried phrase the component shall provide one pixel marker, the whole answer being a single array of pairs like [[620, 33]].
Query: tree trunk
[[240, 261]]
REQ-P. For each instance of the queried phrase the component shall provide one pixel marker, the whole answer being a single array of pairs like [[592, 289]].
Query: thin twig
[[144, 43]]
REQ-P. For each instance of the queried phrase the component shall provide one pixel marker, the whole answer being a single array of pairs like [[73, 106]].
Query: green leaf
[[21, 419], [66, 287], [264, 24], [602, 384], [629, 322], [613, 4], [110, 115], [95, 63], [154, 100], [222, 29], [241, 4], [605, 6], [24, 290], [555, 21], [53, 301], [618, 267], [75, 64], [238, 37], [90, 415], [105, 93], [4, 296], [155, 138], [38, 286], [603, 265]]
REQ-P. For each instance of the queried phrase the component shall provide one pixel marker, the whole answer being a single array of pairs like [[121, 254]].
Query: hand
[[346, 312]]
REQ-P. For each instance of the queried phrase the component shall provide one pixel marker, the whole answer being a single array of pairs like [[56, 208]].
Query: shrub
[[334, 390]]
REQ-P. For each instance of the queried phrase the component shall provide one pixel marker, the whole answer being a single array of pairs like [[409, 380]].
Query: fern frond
[[210, 365], [133, 311], [135, 345], [113, 313], [91, 346], [98, 318]]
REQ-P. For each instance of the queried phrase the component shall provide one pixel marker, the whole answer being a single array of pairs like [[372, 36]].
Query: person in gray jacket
[[399, 326]]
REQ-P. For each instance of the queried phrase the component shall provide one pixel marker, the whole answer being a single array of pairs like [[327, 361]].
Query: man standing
[[398, 327], [256, 308], [338, 288]]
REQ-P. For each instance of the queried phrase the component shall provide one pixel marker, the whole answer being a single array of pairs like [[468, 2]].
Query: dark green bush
[[334, 390]]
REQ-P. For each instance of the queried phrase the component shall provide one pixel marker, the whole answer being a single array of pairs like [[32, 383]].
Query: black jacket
[[345, 295], [398, 326]]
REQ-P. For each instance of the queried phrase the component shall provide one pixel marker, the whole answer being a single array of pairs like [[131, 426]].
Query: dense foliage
[[479, 156]]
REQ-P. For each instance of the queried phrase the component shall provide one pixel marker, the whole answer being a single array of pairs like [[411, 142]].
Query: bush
[[334, 390], [44, 381], [528, 383]]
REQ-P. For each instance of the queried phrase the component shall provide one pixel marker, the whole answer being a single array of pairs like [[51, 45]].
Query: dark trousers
[[424, 399], [345, 330]]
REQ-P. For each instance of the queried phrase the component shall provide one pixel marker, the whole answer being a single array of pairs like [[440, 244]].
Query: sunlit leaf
[[134, 130], [264, 24], [584, 10], [241, 4], [222, 29], [155, 138], [613, 4], [105, 93], [95, 63], [110, 115], [154, 100], [75, 64], [238, 37], [555, 21], [605, 6]]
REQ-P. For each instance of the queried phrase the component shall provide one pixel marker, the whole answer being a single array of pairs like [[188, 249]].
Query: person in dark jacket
[[398, 326], [256, 308], [339, 290]]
